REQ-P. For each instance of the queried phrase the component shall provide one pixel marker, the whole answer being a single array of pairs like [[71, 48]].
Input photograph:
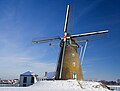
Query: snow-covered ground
[[60, 85], [115, 87]]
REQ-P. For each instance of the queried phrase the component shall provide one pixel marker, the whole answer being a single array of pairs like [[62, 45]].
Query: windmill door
[[74, 75]]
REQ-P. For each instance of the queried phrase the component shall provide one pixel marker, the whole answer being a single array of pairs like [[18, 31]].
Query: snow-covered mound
[[71, 85], [60, 85]]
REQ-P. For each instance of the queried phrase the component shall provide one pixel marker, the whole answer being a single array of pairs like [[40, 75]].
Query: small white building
[[28, 78], [49, 76]]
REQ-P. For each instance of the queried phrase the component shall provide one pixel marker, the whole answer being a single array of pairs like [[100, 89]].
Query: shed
[[28, 78], [49, 76]]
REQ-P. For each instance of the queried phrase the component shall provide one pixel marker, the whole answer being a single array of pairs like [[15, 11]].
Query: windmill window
[[74, 64], [73, 55]]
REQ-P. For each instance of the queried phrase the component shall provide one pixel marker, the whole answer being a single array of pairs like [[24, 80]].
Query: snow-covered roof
[[50, 75], [28, 73]]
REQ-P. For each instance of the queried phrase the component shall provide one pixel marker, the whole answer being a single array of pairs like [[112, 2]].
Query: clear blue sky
[[23, 20]]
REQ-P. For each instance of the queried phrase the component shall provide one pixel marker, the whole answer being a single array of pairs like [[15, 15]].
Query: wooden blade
[[45, 40], [64, 46], [66, 20], [70, 20], [89, 34]]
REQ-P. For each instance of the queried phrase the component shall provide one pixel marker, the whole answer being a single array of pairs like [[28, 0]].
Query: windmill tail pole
[[81, 51], [84, 52]]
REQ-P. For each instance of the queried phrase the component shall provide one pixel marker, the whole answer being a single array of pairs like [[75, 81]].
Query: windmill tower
[[69, 65]]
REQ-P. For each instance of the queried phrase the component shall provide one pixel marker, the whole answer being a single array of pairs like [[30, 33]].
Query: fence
[[114, 87], [9, 85]]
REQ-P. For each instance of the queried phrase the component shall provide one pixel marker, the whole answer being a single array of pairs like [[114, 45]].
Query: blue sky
[[23, 20]]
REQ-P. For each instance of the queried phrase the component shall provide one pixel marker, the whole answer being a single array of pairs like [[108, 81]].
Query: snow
[[50, 75], [28, 73], [115, 87], [60, 85]]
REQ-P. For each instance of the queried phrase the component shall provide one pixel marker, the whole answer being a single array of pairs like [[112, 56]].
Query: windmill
[[69, 65]]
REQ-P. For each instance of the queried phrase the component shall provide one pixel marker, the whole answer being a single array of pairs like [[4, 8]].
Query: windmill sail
[[69, 66], [35, 41], [63, 47], [89, 34]]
